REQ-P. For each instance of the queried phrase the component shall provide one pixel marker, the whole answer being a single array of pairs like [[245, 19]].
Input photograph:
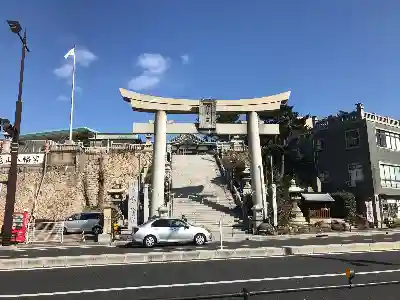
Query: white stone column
[[145, 203], [158, 167], [256, 169]]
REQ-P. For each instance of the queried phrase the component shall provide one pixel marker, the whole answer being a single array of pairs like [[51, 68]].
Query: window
[[390, 175], [90, 216], [161, 223], [355, 174], [177, 223], [319, 145], [74, 217], [388, 140], [352, 138]]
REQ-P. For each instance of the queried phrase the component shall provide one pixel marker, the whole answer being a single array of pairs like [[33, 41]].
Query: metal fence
[[45, 232], [247, 295]]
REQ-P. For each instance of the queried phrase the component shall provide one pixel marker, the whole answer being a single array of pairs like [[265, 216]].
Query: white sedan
[[170, 230]]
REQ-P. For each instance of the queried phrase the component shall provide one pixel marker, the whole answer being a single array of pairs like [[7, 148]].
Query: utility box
[[207, 114]]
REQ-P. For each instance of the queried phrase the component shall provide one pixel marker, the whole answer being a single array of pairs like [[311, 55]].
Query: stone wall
[[72, 181]]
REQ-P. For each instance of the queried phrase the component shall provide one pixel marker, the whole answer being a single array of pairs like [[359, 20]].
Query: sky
[[329, 54]]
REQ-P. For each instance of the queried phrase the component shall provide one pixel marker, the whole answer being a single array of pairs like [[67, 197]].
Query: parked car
[[169, 230], [84, 222]]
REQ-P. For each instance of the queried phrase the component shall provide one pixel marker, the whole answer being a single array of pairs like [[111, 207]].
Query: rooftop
[[78, 133], [58, 134]]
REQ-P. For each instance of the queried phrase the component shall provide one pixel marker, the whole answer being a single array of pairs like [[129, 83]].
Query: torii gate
[[207, 110]]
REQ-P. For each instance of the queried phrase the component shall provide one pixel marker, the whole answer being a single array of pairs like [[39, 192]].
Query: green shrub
[[345, 205]]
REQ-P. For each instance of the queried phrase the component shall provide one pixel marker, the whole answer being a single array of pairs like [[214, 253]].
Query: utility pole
[[14, 132]]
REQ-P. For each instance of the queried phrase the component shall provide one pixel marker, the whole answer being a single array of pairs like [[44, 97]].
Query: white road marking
[[193, 284], [4, 256], [19, 250], [347, 240], [368, 239]]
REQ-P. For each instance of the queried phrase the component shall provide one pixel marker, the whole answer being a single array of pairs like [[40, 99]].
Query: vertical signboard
[[133, 196]]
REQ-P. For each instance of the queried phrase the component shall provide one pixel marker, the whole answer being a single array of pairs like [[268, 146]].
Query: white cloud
[[84, 58], [63, 98], [185, 59], [153, 67], [78, 89], [64, 71], [143, 82], [153, 63]]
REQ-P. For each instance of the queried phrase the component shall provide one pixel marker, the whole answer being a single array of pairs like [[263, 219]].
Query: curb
[[306, 236], [180, 256]]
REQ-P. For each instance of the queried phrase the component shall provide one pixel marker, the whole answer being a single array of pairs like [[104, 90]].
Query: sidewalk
[[125, 238], [366, 233]]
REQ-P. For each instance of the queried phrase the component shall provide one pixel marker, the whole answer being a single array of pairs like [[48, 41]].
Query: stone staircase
[[201, 195]]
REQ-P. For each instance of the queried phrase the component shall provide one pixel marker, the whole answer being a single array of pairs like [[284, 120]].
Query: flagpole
[[71, 115]]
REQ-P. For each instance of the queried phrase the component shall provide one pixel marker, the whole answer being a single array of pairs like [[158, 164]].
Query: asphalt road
[[160, 281], [97, 250]]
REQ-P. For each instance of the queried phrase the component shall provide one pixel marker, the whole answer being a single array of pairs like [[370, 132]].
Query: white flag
[[70, 53]]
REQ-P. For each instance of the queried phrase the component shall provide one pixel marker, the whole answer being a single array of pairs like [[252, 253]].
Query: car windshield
[[191, 224], [150, 220]]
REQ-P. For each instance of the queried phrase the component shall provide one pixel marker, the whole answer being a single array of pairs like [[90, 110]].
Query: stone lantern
[[163, 211], [297, 217], [117, 194], [236, 143], [148, 139], [246, 181]]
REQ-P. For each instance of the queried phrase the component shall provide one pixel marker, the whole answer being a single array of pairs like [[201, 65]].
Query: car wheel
[[199, 239], [97, 230], [65, 231], [149, 241]]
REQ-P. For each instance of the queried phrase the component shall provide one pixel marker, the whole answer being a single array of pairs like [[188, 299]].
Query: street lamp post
[[14, 131]]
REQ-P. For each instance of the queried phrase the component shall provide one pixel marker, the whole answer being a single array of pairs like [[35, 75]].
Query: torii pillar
[[256, 167], [158, 166]]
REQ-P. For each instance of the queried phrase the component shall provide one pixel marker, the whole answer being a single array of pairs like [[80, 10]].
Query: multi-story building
[[359, 152]]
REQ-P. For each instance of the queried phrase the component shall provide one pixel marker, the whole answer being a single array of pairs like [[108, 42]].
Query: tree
[[227, 118], [345, 205], [284, 204], [284, 148]]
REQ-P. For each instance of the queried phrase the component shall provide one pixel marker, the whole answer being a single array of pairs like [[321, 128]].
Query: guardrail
[[245, 294], [97, 149]]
